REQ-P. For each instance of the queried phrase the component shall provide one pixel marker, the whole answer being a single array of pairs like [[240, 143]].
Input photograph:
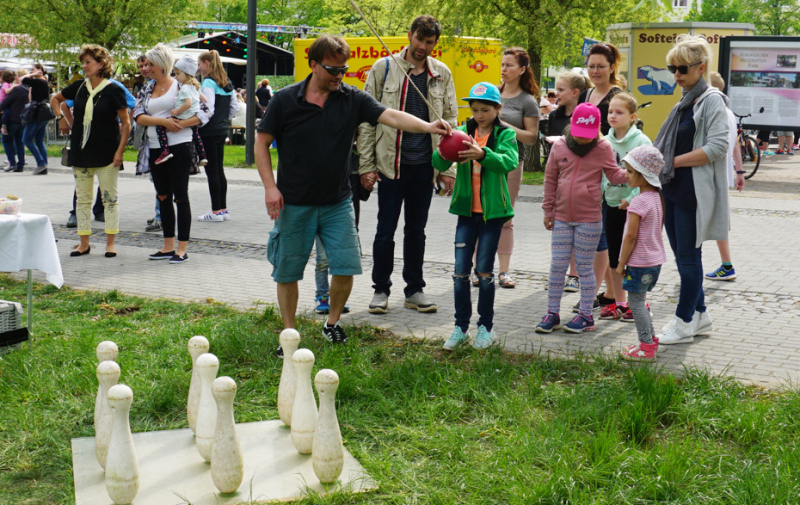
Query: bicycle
[[751, 155]]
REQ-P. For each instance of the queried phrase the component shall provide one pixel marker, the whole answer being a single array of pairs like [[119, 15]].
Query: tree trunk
[[532, 158]]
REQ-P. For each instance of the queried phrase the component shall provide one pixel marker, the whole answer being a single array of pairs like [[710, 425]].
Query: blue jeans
[[415, 189], [681, 230], [486, 234], [321, 271], [33, 137], [13, 145]]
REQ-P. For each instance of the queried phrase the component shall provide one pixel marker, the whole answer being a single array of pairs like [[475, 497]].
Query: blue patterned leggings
[[583, 239]]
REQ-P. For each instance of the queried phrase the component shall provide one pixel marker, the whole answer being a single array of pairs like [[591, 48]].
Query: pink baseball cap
[[585, 121]]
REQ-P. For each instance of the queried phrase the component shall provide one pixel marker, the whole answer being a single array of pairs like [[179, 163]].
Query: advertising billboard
[[762, 77]]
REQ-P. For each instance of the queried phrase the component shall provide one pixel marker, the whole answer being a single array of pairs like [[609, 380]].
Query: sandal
[[505, 280]]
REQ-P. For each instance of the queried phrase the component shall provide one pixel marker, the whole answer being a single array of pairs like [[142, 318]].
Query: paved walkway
[[755, 317]]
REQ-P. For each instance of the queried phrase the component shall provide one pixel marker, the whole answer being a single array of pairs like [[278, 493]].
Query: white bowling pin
[[207, 366], [197, 345], [289, 340], [106, 351], [304, 412], [327, 455], [122, 465], [227, 465], [107, 375]]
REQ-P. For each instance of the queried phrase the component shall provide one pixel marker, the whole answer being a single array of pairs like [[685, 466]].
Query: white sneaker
[[217, 218], [702, 323], [669, 325], [226, 215], [680, 332]]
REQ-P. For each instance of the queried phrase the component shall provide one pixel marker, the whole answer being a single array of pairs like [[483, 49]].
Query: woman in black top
[[100, 130], [603, 67], [33, 135]]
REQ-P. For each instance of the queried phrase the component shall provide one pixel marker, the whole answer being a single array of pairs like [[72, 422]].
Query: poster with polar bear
[[662, 81]]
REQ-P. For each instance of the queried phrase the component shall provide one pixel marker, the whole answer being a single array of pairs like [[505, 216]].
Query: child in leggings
[[642, 251], [572, 211]]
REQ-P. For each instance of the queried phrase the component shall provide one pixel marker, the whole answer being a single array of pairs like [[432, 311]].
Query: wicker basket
[[12, 335]]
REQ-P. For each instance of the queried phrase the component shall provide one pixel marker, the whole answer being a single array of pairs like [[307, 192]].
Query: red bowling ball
[[451, 145]]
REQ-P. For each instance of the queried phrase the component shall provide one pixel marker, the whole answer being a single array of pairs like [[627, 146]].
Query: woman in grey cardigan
[[694, 141]]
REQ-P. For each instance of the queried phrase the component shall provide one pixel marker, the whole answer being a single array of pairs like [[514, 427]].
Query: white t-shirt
[[188, 91], [160, 107]]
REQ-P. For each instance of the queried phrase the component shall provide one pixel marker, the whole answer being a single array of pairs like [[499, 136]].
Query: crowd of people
[[608, 191]]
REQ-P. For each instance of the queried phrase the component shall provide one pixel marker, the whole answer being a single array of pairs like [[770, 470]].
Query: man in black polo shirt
[[314, 122]]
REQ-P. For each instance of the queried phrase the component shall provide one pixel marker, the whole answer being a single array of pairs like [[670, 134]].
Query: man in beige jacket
[[401, 161]]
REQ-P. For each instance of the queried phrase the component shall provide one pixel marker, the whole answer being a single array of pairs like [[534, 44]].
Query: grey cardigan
[[711, 180]]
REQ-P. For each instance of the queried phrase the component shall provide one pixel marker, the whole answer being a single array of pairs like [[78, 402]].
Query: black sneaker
[[100, 217], [279, 352], [595, 306], [158, 255], [334, 333], [179, 259]]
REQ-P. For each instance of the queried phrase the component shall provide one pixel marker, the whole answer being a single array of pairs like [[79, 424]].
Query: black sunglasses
[[334, 70], [683, 69]]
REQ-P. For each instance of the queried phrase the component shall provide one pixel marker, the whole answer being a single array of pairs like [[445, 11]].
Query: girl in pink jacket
[[573, 212]]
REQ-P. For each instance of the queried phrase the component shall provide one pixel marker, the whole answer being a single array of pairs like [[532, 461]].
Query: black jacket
[[13, 103]]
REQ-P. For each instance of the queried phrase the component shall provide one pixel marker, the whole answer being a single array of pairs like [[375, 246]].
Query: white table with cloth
[[27, 243]]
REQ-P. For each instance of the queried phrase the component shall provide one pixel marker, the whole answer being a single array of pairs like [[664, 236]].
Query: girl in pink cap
[[572, 211]]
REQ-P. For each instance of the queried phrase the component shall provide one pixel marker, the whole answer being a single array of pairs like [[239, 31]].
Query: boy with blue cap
[[482, 204]]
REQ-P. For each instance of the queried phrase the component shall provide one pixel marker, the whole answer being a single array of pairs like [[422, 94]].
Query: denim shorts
[[292, 238], [640, 279]]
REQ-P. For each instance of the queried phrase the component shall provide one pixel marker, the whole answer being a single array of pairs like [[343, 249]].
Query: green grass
[[234, 156], [434, 428], [533, 178]]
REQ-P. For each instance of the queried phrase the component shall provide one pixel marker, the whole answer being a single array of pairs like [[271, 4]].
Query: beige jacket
[[379, 146]]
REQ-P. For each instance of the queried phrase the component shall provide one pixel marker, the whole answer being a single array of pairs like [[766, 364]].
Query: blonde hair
[[628, 100], [716, 80], [161, 57], [690, 49], [215, 69], [574, 80], [192, 80]]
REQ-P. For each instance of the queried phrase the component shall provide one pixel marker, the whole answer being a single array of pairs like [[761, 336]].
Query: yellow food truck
[[644, 50], [471, 60]]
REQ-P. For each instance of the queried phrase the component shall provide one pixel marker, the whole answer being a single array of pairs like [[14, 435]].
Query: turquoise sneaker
[[457, 338], [484, 339], [720, 274]]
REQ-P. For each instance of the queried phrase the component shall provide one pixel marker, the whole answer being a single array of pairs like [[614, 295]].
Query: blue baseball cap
[[485, 91]]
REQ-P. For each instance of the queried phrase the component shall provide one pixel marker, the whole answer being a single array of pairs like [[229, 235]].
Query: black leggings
[[615, 227], [171, 180], [215, 172]]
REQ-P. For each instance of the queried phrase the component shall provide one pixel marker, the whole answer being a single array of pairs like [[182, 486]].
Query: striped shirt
[[649, 248], [417, 148]]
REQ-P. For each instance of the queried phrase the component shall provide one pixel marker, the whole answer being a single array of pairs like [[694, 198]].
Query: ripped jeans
[[472, 232]]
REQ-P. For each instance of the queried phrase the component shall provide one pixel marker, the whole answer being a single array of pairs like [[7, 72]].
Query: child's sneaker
[[579, 324], [165, 155], [779, 151], [790, 152], [627, 314], [323, 307], [484, 338], [457, 338], [203, 162], [573, 285], [211, 217], [634, 346], [549, 323], [720, 274], [767, 152], [642, 352], [612, 311]]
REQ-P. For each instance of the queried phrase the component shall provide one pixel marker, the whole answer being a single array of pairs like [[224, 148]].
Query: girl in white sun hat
[[642, 252]]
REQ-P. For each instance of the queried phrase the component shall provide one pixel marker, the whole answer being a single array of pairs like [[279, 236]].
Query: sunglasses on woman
[[683, 69], [334, 70]]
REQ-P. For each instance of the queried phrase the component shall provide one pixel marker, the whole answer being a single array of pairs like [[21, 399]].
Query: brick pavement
[[754, 316]]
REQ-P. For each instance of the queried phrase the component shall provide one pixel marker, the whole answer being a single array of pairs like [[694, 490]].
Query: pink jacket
[[572, 192]]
